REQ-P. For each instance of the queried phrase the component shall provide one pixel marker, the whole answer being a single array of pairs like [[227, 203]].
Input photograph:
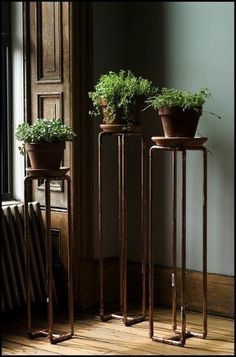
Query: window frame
[[6, 104]]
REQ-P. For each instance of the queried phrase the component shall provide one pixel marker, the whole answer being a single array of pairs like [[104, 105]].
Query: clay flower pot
[[45, 155], [109, 118], [179, 123]]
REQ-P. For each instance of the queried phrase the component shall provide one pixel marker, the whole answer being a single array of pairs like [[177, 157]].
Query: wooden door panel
[[50, 105], [58, 77], [49, 42]]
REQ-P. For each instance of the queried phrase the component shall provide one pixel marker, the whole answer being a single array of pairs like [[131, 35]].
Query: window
[[6, 103], [12, 100]]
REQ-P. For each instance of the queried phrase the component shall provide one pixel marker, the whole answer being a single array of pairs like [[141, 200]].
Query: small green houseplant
[[44, 142], [179, 110], [119, 97]]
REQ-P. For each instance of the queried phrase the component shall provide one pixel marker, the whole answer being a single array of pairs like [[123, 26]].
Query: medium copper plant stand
[[122, 138], [48, 175], [181, 145]]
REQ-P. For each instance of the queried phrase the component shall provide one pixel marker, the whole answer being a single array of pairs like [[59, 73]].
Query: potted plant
[[120, 97], [44, 142], [179, 110]]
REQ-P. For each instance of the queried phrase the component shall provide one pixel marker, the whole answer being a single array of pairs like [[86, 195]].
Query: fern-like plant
[[176, 98], [119, 93], [179, 110], [43, 131]]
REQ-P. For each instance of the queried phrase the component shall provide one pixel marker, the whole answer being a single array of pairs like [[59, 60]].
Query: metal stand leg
[[204, 233], [122, 194], [100, 226], [174, 247], [70, 260], [49, 258], [182, 333], [120, 197], [183, 254], [49, 272], [143, 223], [123, 227], [27, 238], [151, 265]]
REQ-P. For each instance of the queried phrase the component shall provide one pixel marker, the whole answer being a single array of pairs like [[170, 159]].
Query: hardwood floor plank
[[150, 346], [19, 348], [94, 337]]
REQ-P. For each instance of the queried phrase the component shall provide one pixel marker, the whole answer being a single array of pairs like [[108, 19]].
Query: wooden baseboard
[[89, 282], [220, 287]]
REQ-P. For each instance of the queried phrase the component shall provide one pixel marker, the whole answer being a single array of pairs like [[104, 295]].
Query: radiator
[[13, 256]]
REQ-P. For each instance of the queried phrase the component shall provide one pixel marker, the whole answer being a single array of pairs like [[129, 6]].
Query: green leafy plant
[[43, 131], [171, 97], [120, 91]]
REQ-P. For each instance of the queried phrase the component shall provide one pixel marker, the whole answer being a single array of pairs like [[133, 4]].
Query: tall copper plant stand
[[181, 145], [122, 138], [48, 176]]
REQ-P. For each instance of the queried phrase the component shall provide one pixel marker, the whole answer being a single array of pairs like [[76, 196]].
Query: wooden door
[[58, 78]]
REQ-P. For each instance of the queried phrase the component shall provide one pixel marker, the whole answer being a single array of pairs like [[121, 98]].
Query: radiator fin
[[13, 256]]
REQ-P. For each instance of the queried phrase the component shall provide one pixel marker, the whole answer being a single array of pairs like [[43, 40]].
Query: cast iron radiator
[[13, 256]]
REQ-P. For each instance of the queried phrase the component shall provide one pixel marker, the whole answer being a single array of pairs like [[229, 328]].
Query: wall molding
[[220, 287]]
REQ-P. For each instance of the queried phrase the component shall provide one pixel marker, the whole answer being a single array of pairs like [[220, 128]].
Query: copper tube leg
[[204, 242], [175, 340], [100, 223], [183, 334], [124, 228], [122, 183], [121, 241], [174, 201], [143, 224], [150, 249], [49, 271], [70, 257], [63, 337], [49, 258], [27, 255], [128, 321], [183, 252]]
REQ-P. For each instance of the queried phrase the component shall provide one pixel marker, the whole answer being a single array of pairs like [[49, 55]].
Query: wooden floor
[[93, 337]]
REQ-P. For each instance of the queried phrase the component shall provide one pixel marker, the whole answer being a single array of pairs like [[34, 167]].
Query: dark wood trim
[[6, 102], [89, 282], [27, 75], [27, 70], [80, 32], [82, 146]]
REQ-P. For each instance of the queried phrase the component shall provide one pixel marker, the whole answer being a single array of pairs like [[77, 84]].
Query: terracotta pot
[[179, 123], [45, 155], [107, 115]]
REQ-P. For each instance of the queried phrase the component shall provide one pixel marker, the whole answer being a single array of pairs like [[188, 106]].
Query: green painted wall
[[198, 52], [108, 54], [187, 45]]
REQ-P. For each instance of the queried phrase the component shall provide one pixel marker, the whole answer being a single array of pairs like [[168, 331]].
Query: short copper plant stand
[[122, 138], [181, 145], [48, 175]]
